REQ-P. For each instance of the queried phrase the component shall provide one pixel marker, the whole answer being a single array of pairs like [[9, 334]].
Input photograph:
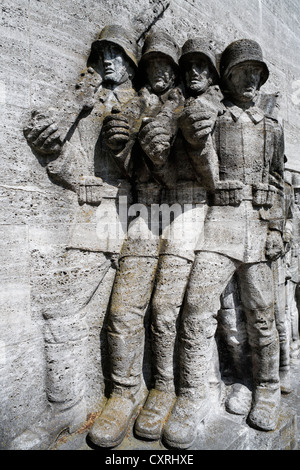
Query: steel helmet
[[242, 51], [162, 43], [200, 47], [121, 37]]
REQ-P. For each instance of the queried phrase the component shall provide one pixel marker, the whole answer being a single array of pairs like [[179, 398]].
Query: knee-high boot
[[65, 354], [125, 331], [171, 281], [192, 405], [263, 339]]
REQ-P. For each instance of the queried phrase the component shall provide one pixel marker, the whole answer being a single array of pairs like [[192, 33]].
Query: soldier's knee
[[164, 314], [125, 321]]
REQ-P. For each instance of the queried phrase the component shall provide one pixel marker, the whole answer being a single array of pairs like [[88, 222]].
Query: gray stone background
[[44, 44]]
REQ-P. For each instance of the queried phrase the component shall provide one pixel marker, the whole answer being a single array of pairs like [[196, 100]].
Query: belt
[[230, 193], [185, 192]]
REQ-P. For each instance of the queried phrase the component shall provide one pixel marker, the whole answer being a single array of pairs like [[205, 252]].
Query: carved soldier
[[293, 275], [233, 329], [280, 273], [179, 238], [114, 56], [94, 161], [242, 235], [139, 255]]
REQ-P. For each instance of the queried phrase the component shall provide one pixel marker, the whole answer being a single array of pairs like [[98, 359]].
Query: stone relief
[[209, 245]]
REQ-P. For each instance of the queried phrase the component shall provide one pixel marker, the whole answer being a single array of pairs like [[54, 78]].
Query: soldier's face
[[160, 74], [197, 76], [117, 69], [244, 81]]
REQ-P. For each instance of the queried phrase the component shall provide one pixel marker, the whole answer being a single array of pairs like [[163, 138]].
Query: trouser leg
[[129, 302], [65, 349], [233, 331], [257, 294], [130, 299], [177, 254], [210, 274], [73, 283], [282, 326], [294, 319], [171, 280]]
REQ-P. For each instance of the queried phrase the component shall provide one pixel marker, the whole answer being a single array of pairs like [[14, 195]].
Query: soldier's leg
[[281, 321], [130, 298], [257, 294], [232, 327], [210, 274], [233, 333], [66, 308], [294, 319], [177, 253], [171, 281]]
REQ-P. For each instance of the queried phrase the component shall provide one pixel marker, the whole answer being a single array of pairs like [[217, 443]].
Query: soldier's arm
[[120, 132], [48, 130], [205, 162], [198, 123], [275, 241], [158, 133]]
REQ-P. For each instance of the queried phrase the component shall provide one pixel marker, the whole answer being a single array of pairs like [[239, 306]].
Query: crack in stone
[[158, 16]]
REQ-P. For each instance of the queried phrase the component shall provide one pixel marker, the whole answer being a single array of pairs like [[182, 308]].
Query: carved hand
[[196, 124], [274, 246], [155, 139], [42, 133], [116, 131]]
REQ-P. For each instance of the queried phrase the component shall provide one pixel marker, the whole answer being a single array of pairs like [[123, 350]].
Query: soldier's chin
[[198, 87], [110, 77], [248, 95], [160, 86]]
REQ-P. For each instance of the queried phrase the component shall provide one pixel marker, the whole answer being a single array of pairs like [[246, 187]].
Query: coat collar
[[121, 95], [147, 93], [256, 114]]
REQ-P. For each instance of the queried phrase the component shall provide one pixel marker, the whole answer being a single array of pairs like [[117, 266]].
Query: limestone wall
[[43, 47]]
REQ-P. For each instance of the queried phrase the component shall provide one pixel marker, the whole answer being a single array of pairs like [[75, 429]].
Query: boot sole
[[148, 436], [109, 444], [176, 445]]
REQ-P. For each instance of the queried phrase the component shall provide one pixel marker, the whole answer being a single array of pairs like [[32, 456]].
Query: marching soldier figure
[[139, 255], [242, 235], [94, 161], [193, 174]]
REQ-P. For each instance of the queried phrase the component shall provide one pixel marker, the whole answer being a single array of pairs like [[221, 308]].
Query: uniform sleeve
[[276, 180], [277, 164]]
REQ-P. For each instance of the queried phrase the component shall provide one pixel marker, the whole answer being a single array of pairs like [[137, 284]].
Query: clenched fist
[[116, 131], [274, 246], [155, 139], [196, 123]]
